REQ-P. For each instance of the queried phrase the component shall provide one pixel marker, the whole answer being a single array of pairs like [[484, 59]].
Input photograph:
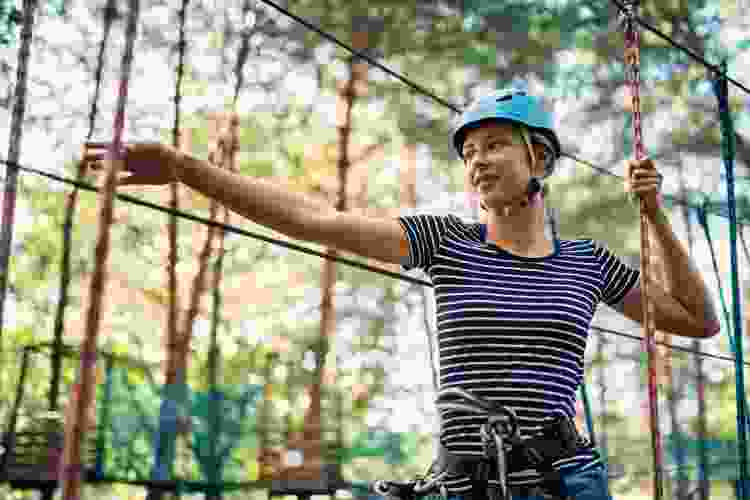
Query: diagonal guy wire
[[453, 107], [713, 67]]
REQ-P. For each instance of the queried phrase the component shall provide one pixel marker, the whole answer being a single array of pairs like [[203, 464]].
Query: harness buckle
[[503, 450]]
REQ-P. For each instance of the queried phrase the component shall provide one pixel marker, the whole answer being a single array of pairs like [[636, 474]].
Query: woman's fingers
[[97, 147], [95, 157], [124, 181], [645, 188], [644, 172], [102, 148], [95, 153], [102, 145]]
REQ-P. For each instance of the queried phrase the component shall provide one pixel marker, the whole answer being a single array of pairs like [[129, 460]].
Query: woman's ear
[[540, 155]]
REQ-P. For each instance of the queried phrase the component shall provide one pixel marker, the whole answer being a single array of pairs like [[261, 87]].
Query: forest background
[[345, 330]]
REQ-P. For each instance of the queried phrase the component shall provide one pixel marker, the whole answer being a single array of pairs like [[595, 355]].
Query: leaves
[[287, 135]]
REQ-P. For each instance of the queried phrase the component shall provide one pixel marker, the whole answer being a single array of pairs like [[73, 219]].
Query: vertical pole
[[9, 443], [103, 421], [700, 375], [702, 426], [215, 397], [266, 464], [587, 411], [603, 443], [14, 153], [70, 209], [71, 469]]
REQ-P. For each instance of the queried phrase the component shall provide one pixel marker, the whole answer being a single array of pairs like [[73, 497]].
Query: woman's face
[[497, 163]]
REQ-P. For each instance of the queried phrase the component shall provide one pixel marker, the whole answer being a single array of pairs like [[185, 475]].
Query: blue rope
[[728, 152], [703, 221], [589, 417]]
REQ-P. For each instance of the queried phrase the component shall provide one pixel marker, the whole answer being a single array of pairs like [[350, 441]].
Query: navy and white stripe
[[512, 329]]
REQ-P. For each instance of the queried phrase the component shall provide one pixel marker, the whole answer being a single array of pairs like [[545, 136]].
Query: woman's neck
[[521, 231]]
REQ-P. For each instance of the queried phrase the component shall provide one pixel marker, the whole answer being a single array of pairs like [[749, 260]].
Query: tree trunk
[[214, 350], [175, 411], [703, 483], [14, 152], [313, 435], [82, 397]]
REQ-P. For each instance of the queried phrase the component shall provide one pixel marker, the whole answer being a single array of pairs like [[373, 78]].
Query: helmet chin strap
[[534, 186]]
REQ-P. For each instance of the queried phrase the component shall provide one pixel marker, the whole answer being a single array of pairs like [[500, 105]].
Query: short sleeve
[[618, 278], [424, 234]]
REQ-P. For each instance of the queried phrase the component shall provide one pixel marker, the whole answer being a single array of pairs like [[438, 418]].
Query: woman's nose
[[479, 164], [479, 159]]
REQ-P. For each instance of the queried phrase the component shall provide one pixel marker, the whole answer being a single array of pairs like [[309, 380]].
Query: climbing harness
[[632, 60], [504, 451]]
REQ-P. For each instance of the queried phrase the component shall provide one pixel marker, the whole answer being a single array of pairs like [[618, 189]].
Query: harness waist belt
[[556, 441]]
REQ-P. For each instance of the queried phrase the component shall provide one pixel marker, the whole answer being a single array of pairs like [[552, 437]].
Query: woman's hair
[[530, 137]]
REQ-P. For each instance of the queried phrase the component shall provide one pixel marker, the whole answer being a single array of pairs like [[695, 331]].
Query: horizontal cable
[[665, 344], [601, 170], [226, 227], [293, 246]]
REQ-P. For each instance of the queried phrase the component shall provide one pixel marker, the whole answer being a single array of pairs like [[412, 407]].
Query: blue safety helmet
[[513, 105]]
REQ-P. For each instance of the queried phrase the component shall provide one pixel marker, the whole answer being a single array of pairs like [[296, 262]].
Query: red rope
[[632, 59], [71, 472]]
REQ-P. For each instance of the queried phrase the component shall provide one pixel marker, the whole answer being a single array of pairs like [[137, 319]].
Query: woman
[[513, 306]]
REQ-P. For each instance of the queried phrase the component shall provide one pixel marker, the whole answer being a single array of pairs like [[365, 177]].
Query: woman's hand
[[642, 179], [149, 164]]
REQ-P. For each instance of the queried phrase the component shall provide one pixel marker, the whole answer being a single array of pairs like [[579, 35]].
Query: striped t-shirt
[[512, 329]]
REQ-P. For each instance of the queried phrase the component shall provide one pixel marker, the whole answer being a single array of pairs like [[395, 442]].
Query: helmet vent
[[508, 97]]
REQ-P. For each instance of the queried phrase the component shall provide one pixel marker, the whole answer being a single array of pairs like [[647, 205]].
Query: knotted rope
[[632, 60]]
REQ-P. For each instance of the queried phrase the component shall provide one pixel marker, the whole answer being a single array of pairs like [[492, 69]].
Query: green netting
[[134, 413], [219, 430], [394, 447], [722, 457]]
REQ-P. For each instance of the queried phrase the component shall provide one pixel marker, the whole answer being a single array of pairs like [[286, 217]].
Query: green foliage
[[11, 17], [526, 37], [393, 446], [590, 205]]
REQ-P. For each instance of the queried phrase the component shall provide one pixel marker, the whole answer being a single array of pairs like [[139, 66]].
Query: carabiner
[[420, 487]]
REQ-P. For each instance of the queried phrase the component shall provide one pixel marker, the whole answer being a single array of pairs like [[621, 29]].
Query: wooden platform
[[33, 460], [327, 482]]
